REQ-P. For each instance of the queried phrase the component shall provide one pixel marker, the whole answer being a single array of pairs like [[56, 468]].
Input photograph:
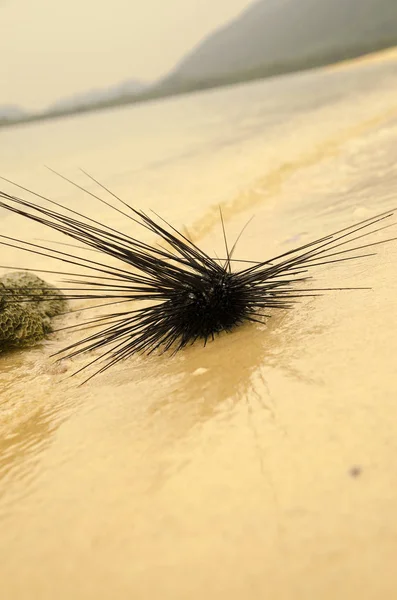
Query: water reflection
[[36, 398]]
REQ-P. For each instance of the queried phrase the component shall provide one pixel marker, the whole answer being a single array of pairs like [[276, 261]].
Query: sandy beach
[[265, 464]]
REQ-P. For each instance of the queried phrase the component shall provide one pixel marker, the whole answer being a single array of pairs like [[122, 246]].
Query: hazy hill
[[10, 112], [129, 88], [280, 35], [270, 38]]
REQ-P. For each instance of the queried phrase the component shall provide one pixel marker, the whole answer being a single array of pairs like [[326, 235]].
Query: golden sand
[[261, 466]]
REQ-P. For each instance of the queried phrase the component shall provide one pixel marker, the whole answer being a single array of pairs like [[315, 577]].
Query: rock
[[27, 304]]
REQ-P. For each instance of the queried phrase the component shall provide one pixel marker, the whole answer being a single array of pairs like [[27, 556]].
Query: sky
[[50, 49]]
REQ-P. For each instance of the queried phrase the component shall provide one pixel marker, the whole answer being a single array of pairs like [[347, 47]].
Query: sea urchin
[[187, 295]]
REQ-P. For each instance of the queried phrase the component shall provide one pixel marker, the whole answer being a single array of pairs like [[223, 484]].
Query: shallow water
[[263, 465]]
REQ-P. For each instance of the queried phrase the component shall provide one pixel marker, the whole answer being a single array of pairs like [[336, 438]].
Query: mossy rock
[[27, 304]]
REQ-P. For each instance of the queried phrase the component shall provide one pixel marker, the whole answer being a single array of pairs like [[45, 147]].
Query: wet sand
[[263, 465]]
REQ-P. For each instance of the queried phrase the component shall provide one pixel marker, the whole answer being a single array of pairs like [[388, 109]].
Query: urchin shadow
[[203, 382]]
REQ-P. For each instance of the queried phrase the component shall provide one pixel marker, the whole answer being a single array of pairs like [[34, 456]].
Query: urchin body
[[208, 305]]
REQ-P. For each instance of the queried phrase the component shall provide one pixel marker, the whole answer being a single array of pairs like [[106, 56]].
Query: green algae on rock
[[27, 304]]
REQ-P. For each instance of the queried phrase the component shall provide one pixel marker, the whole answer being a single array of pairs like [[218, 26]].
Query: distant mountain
[[271, 37], [129, 88], [11, 112], [283, 35]]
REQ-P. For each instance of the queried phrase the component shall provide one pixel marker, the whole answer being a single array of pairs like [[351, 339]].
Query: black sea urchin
[[187, 295]]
